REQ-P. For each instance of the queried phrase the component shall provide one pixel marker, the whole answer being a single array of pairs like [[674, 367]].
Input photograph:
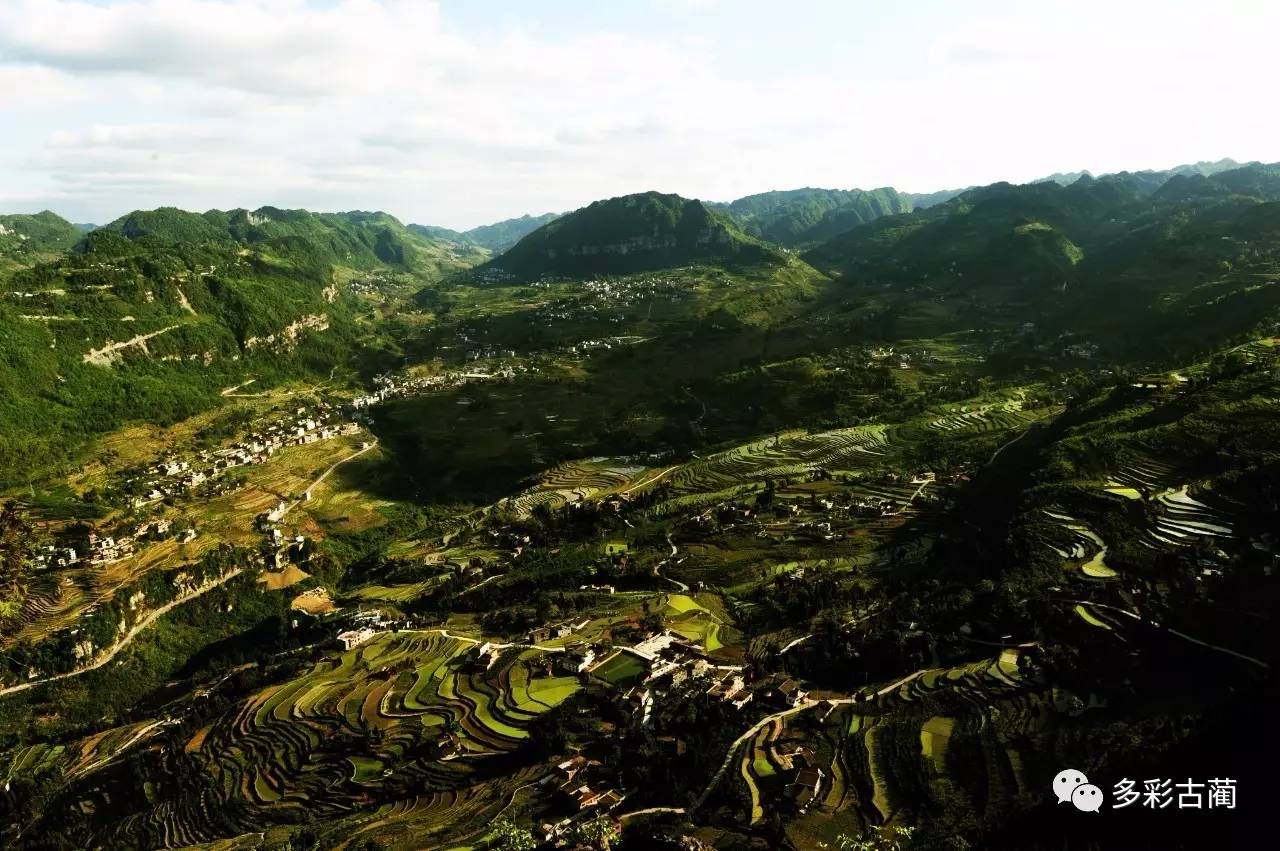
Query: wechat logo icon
[[1071, 786]]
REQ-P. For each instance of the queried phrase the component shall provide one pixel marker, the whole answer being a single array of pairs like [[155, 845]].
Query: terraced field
[[1142, 476], [80, 758], [573, 481], [1183, 519], [692, 622], [789, 454], [1081, 543], [997, 416], [1175, 519], [759, 768], [368, 726], [728, 474], [861, 746], [56, 603]]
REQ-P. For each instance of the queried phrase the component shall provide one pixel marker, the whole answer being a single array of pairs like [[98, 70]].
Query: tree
[[508, 837], [888, 840], [16, 541], [597, 833]]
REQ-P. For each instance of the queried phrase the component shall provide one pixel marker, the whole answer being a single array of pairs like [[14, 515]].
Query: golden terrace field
[[370, 724]]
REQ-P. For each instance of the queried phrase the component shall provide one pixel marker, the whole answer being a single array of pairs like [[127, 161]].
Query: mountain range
[[1143, 263], [631, 234], [497, 237], [817, 518]]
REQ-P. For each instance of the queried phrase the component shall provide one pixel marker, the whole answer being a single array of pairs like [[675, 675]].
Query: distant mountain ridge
[[496, 237], [1204, 168], [358, 239], [922, 200], [26, 236], [806, 216], [1155, 259], [632, 233]]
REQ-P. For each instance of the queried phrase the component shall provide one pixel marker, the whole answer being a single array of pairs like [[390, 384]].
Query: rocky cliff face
[[286, 339]]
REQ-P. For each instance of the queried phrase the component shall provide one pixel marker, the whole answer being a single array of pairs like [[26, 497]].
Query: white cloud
[[358, 103], [32, 87]]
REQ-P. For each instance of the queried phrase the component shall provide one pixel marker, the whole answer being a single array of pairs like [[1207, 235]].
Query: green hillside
[[502, 235], [360, 240], [883, 535], [807, 216], [1125, 259], [496, 237], [630, 234], [150, 317], [26, 238]]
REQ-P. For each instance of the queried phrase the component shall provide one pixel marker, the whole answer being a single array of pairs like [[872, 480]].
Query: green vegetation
[[27, 239], [497, 237], [1177, 262], [152, 316], [631, 234], [800, 217], [851, 551]]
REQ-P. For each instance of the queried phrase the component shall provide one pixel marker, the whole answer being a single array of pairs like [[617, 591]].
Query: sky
[[464, 112]]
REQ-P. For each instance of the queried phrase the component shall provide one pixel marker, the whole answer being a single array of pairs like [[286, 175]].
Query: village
[[202, 474], [388, 386], [594, 299], [649, 683], [174, 476]]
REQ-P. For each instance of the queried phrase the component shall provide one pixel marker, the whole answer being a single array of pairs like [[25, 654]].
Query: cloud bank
[[396, 105]]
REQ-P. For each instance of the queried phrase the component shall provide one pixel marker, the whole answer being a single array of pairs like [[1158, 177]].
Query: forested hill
[[150, 317], [496, 237], [356, 239], [25, 238], [807, 216], [1175, 260], [630, 234]]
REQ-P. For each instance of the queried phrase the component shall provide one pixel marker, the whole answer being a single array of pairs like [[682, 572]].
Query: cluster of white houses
[[393, 385], [96, 549], [591, 299], [92, 549], [681, 673], [672, 672], [172, 476], [364, 626]]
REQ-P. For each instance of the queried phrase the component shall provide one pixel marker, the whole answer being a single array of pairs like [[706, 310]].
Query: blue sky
[[463, 112]]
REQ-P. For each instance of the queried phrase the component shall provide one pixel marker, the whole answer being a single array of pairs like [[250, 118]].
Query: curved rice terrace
[[869, 754], [361, 727], [1182, 519], [1141, 477], [80, 758], [573, 481], [995, 416], [781, 456], [1175, 519], [1081, 544]]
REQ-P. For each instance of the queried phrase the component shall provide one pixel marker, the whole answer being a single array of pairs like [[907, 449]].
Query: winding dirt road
[[769, 719], [128, 637]]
